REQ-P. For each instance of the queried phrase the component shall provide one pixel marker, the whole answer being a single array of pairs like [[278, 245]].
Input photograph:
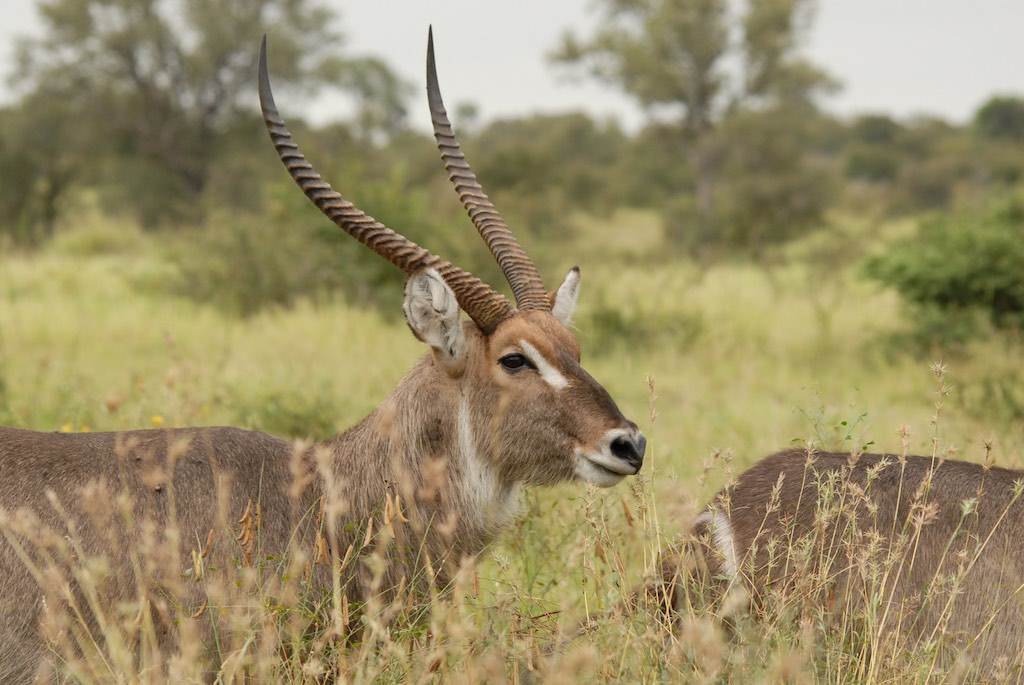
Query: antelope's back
[[196, 464], [947, 533], [112, 497]]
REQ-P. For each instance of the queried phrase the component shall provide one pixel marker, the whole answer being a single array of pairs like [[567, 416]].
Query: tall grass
[[725, 364]]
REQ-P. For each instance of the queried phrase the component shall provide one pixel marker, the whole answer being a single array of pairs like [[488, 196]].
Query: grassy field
[[719, 366]]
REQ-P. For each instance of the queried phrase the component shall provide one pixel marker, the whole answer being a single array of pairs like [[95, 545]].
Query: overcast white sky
[[902, 57]]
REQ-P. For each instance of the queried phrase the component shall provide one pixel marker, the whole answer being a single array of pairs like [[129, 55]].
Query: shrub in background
[[288, 251], [959, 266]]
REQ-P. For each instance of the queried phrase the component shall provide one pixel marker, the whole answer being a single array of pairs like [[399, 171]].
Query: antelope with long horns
[[500, 401]]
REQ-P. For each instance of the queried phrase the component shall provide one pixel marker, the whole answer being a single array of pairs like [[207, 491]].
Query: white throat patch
[[549, 373], [492, 506]]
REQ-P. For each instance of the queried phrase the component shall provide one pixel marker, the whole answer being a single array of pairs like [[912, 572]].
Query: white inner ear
[[564, 303], [433, 313]]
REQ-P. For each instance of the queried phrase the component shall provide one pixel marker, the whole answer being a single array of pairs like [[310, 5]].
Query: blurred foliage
[[1001, 118], [568, 156], [958, 266], [614, 329], [141, 97], [146, 112], [41, 156], [776, 191], [740, 97], [285, 251], [297, 414], [929, 164], [872, 154]]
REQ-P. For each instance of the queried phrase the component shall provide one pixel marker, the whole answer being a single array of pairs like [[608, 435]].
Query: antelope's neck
[[431, 444], [491, 505]]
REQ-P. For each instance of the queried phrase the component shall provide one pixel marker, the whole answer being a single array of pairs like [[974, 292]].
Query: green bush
[[244, 264], [609, 328], [958, 265], [100, 236], [306, 414], [877, 163], [289, 251]]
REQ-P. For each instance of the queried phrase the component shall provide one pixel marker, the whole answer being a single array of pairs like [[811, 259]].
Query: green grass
[[730, 360]]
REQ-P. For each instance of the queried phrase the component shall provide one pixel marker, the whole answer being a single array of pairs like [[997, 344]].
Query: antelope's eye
[[515, 362]]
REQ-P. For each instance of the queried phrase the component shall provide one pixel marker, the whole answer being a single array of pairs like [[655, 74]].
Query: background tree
[[157, 84], [666, 55], [380, 98], [873, 154], [1001, 118], [999, 134], [672, 58], [40, 157], [958, 265]]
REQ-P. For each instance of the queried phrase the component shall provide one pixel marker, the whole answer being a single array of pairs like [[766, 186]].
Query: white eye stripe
[[547, 371]]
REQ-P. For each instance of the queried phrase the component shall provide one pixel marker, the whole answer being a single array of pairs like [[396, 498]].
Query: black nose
[[630, 449]]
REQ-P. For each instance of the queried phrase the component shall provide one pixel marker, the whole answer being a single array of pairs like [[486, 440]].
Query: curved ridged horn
[[485, 306], [519, 269]]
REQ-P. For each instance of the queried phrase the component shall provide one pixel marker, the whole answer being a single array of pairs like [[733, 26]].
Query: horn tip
[[434, 101], [431, 68], [266, 96]]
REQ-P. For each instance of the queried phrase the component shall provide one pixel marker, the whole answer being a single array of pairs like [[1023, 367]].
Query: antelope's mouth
[[620, 453], [602, 470]]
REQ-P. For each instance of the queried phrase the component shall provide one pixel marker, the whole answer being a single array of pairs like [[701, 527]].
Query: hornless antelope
[[912, 552], [499, 401]]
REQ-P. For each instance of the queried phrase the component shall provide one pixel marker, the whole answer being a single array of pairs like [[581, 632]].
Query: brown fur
[[810, 529]]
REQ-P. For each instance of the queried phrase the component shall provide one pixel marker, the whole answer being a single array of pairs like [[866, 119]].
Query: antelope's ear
[[563, 300], [433, 315]]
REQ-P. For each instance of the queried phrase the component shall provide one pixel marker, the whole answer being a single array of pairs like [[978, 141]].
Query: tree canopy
[[159, 84], [675, 58]]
